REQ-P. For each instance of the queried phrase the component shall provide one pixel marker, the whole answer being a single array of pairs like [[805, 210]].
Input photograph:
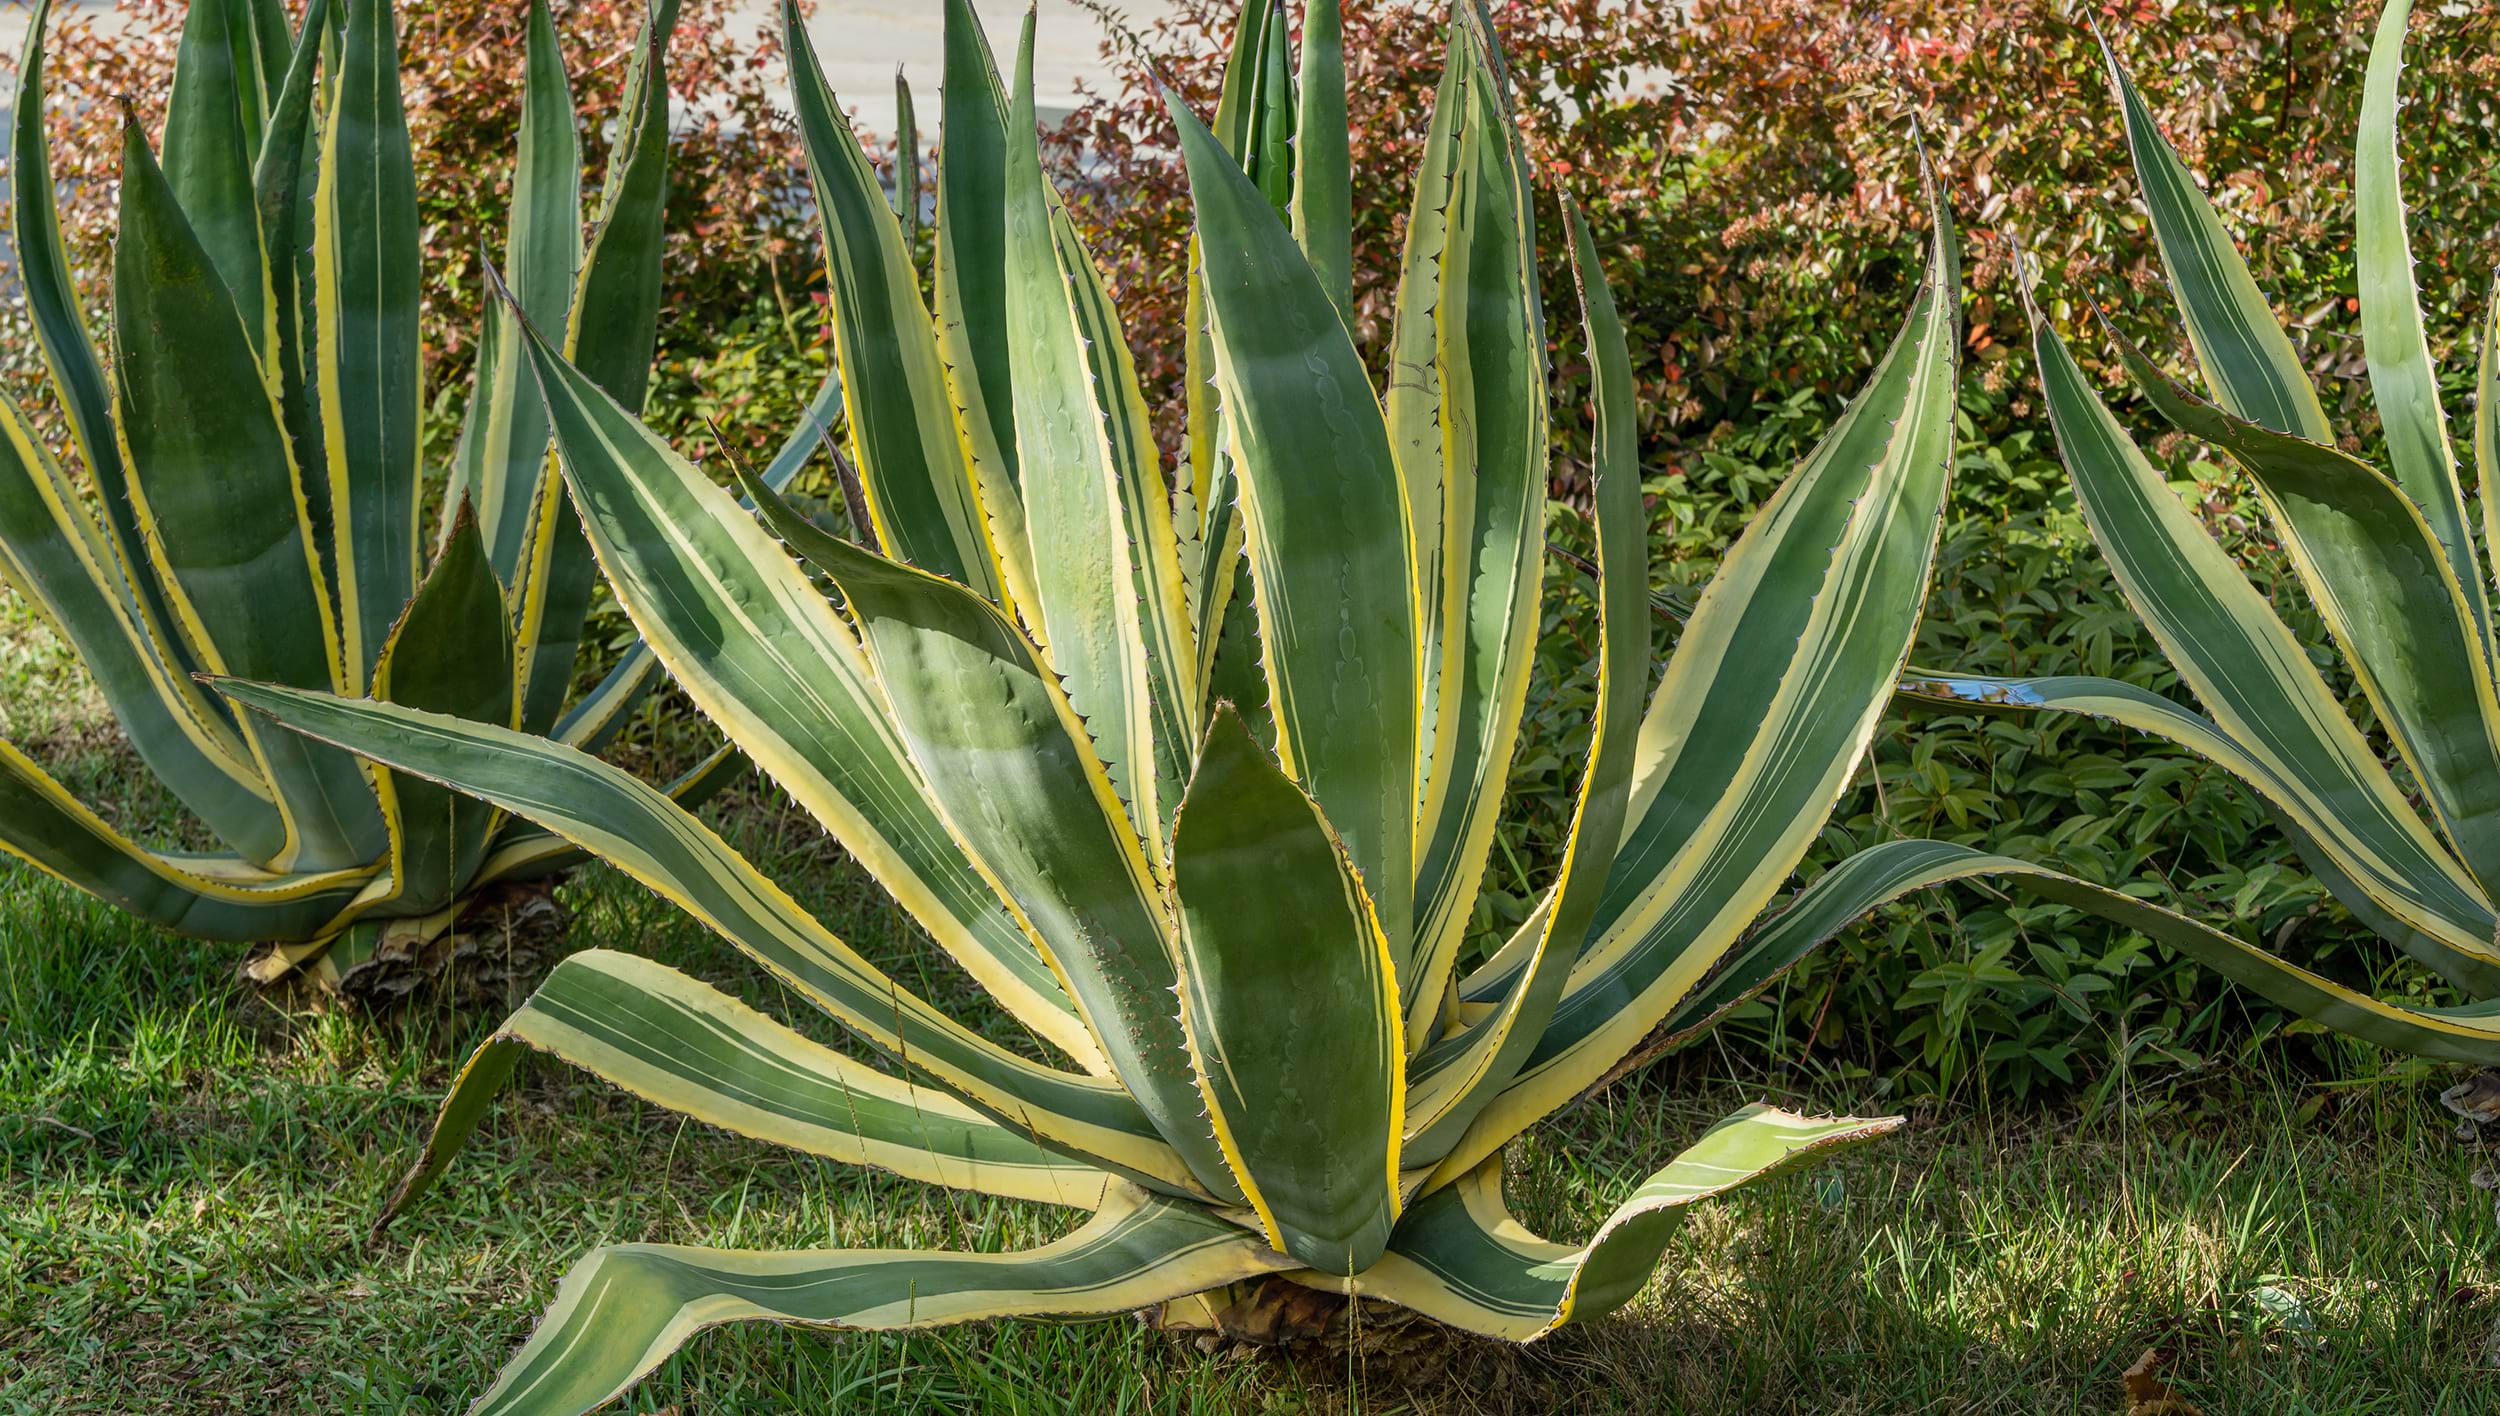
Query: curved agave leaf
[[1291, 1006], [624, 1309], [1836, 899], [59, 559], [2402, 380], [208, 897], [685, 1045], [54, 309], [524, 850], [2467, 1034], [1460, 1257], [762, 654], [594, 720], [608, 812], [2376, 573], [1764, 714], [2391, 861], [1005, 761]]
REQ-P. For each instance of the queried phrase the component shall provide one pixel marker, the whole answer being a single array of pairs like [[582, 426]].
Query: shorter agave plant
[[2387, 559], [252, 495], [1237, 918]]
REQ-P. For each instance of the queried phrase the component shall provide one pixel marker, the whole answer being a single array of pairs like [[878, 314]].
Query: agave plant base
[[1321, 1331], [489, 951]]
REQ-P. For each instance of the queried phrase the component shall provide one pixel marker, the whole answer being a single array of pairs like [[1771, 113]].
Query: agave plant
[[1235, 922], [2386, 558], [252, 494]]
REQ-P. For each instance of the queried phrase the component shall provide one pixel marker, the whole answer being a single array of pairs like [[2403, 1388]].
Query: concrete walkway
[[862, 41]]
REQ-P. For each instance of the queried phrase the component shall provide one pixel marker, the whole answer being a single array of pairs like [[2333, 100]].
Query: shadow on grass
[[187, 1176]]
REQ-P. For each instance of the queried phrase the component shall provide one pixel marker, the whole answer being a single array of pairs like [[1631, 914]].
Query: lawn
[[188, 1173]]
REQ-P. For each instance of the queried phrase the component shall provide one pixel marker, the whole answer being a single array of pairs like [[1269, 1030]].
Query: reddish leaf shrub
[[740, 248], [1750, 165], [1757, 202]]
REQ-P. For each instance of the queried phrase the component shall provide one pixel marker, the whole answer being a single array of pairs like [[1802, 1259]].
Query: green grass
[[188, 1173]]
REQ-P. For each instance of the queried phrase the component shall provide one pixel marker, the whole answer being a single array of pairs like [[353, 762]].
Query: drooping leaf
[[2374, 568], [625, 1308], [633, 826], [2464, 1034], [685, 1045], [761, 652], [205, 897], [1460, 1257], [2393, 863]]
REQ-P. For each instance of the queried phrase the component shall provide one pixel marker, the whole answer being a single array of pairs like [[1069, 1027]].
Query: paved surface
[[862, 41]]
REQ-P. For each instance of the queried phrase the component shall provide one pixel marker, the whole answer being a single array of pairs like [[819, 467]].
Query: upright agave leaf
[[241, 490], [366, 290], [2387, 561], [1256, 1088]]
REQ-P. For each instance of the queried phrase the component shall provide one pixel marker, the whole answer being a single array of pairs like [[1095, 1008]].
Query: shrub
[[1750, 198], [739, 257]]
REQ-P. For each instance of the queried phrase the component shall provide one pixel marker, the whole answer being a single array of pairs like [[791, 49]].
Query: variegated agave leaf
[[2385, 557], [1227, 883], [241, 491]]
